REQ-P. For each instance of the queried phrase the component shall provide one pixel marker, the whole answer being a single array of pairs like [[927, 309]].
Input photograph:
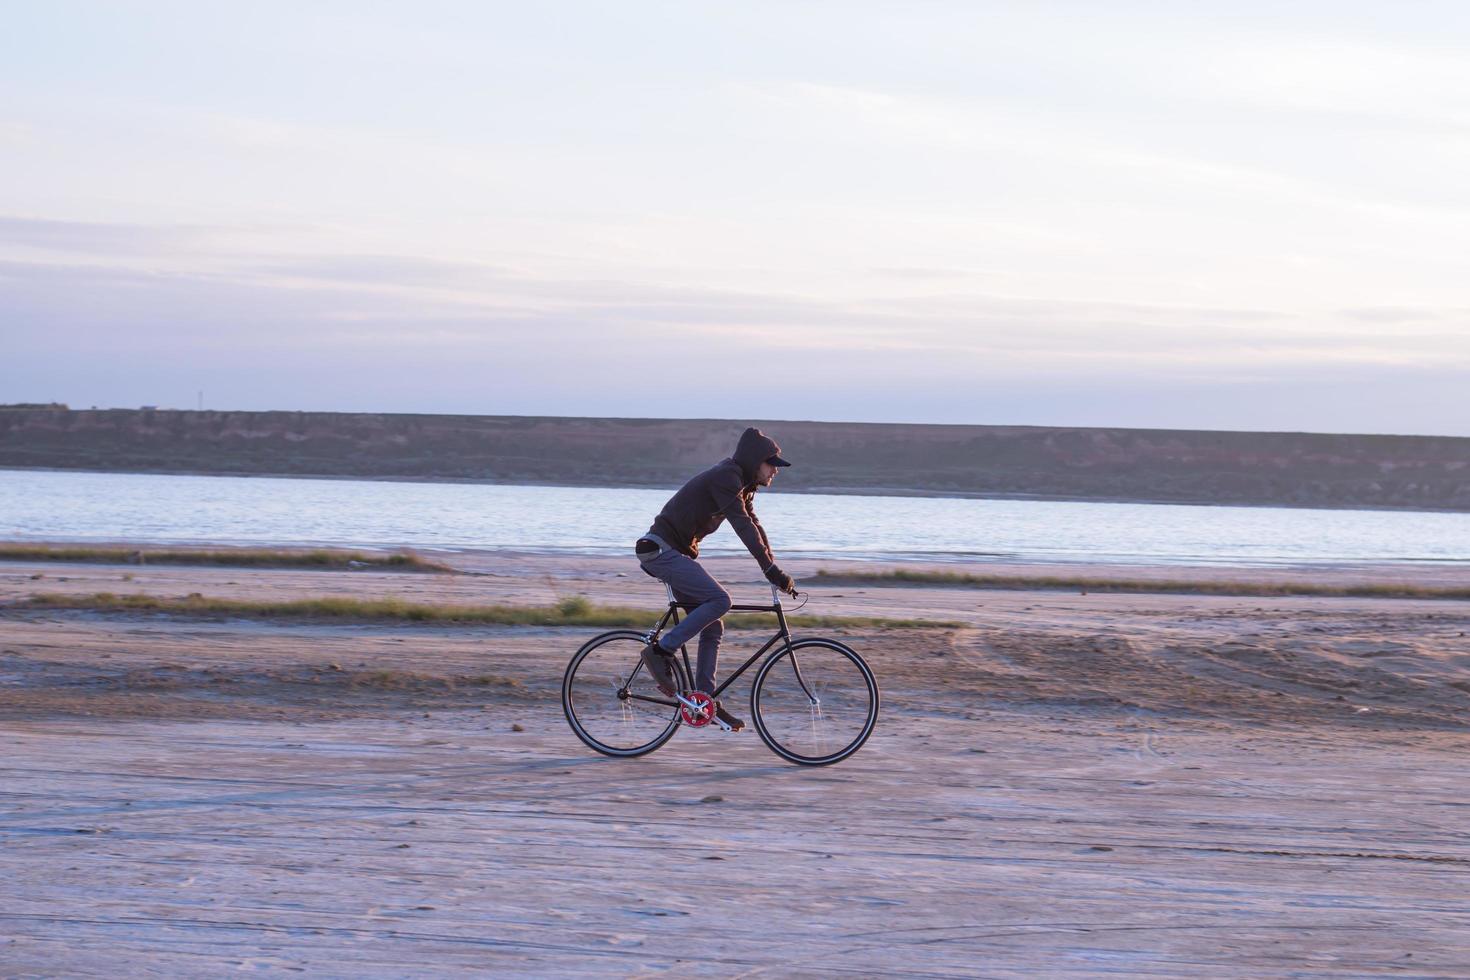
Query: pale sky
[[1228, 215]]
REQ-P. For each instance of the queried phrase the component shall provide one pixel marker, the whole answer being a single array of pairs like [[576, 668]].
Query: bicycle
[[813, 701]]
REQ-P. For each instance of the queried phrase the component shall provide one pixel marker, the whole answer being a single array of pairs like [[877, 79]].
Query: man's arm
[[733, 505], [774, 575], [750, 509]]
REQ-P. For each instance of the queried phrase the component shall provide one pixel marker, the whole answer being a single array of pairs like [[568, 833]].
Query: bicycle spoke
[[612, 703], [816, 703]]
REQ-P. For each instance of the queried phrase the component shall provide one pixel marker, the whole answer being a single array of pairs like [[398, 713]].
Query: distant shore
[[1274, 469]]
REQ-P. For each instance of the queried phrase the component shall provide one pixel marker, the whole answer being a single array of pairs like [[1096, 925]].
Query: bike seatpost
[[670, 590]]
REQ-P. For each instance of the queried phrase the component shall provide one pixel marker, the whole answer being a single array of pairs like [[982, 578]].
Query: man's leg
[[709, 656], [704, 671], [692, 584]]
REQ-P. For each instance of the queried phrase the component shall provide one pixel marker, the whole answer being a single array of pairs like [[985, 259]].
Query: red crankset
[[697, 709]]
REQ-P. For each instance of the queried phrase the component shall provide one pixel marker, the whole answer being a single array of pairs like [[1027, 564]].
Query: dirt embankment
[[1293, 469], [1340, 680]]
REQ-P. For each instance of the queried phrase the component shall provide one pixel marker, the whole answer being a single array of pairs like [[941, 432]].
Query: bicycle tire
[[593, 698], [846, 711]]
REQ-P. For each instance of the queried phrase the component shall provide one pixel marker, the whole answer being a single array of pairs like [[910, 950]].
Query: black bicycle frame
[[783, 632]]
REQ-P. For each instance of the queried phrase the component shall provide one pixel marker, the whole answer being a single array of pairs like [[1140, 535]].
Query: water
[[154, 509]]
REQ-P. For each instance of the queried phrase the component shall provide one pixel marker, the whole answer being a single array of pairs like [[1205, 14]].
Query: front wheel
[[814, 702], [610, 700]]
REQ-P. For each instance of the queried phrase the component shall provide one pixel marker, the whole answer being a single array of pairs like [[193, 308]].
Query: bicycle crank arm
[[698, 709], [714, 719]]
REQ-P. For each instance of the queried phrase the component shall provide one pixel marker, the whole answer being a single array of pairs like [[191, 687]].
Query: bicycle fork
[[816, 702]]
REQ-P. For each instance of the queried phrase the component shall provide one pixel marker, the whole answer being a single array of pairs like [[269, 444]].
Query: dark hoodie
[[725, 490]]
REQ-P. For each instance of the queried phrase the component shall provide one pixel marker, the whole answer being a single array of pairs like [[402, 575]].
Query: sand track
[[1072, 786]]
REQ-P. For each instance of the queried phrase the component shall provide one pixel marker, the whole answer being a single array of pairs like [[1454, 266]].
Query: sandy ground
[[1071, 785]]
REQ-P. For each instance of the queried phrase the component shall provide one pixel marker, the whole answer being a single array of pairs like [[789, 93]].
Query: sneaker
[[660, 664], [726, 719]]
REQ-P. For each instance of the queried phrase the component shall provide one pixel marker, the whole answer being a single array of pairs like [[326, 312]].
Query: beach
[[1067, 784]]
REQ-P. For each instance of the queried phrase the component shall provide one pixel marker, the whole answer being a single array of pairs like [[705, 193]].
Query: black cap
[[777, 461]]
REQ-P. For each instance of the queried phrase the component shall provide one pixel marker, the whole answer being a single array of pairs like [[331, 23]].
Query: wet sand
[[1071, 785]]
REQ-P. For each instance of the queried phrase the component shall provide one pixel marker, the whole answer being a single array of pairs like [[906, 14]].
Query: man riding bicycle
[[669, 549]]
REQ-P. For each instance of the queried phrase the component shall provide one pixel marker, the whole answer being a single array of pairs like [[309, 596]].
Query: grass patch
[[407, 680], [319, 558], [571, 611], [1137, 586]]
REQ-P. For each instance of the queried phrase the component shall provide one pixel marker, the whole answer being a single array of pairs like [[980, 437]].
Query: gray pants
[[692, 584]]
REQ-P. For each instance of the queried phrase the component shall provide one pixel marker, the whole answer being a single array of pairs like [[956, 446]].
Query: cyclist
[[669, 549]]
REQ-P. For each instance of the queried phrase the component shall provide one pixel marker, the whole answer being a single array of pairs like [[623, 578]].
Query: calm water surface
[[145, 508]]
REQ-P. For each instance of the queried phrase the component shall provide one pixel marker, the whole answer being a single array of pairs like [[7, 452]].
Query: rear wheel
[[610, 700], [814, 702]]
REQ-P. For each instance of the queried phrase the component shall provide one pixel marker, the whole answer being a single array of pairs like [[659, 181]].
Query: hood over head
[[754, 448]]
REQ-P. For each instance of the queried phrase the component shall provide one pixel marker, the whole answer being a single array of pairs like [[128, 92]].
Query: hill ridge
[[1050, 462]]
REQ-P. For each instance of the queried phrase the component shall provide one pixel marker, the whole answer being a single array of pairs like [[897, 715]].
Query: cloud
[[256, 337], [1103, 157], [396, 270], [96, 237], [16, 134], [1400, 314], [385, 303], [1382, 84], [921, 274]]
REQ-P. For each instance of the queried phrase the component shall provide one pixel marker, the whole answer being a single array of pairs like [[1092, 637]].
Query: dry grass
[[328, 559], [570, 611], [1141, 586], [408, 680]]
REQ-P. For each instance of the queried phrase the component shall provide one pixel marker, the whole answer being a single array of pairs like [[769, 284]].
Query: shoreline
[[736, 566], [939, 561], [877, 491]]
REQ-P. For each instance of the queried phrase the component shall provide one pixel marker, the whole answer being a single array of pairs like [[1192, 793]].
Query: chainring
[[703, 711]]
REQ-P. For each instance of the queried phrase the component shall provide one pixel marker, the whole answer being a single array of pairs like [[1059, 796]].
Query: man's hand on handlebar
[[781, 580]]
